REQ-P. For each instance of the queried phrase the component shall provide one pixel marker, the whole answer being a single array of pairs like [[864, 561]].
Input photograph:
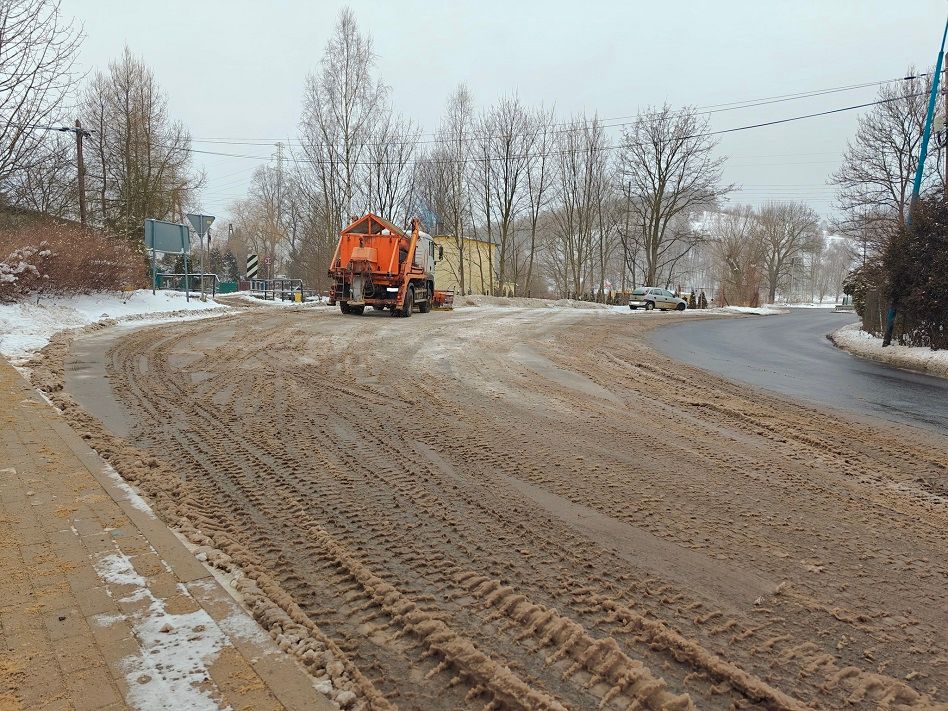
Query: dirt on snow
[[531, 509]]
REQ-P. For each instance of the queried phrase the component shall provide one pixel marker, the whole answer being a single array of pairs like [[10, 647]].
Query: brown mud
[[531, 509]]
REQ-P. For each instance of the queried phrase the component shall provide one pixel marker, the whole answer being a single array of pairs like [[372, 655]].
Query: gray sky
[[237, 69]]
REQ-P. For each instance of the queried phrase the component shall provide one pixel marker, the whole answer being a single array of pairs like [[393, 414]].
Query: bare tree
[[37, 55], [342, 106], [140, 160], [390, 189], [539, 180], [786, 228], [504, 140], [582, 163], [48, 184], [454, 137], [668, 166], [875, 178], [738, 252]]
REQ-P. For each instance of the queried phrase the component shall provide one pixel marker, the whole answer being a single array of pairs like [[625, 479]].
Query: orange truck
[[378, 265]]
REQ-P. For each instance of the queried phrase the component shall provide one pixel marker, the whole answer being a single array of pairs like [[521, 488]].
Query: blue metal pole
[[927, 133]]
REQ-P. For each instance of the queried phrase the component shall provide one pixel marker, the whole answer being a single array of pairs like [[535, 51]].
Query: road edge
[[916, 359]]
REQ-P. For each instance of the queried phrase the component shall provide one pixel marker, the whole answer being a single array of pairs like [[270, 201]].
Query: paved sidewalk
[[101, 606]]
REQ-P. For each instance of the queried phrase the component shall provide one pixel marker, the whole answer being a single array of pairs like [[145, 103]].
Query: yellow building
[[480, 261]]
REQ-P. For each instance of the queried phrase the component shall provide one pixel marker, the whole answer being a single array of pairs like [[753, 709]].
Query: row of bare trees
[[566, 209], [780, 247]]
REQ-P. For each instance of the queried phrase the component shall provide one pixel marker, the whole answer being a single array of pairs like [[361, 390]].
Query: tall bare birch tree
[[581, 162], [343, 104], [504, 142], [539, 179]]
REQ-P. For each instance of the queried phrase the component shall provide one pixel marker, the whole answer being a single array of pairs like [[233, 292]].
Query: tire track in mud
[[375, 480]]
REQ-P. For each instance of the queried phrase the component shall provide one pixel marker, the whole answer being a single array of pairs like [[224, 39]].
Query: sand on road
[[513, 508]]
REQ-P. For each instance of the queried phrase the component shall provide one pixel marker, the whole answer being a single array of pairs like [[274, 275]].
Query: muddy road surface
[[505, 508]]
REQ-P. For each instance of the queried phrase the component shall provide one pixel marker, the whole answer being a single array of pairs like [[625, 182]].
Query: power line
[[605, 122], [483, 159]]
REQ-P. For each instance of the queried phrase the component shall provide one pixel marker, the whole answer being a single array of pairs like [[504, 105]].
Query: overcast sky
[[236, 69]]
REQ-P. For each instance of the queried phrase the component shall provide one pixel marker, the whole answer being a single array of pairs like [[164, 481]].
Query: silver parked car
[[653, 297]]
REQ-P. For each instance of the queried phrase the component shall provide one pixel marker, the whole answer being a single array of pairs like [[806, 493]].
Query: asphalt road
[[790, 354]]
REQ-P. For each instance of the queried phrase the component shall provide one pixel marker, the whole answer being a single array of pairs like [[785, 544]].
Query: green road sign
[[200, 223], [168, 237]]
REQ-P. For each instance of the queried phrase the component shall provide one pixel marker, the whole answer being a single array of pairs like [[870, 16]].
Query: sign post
[[201, 225], [168, 238]]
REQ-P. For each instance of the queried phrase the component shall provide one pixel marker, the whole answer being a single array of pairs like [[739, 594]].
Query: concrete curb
[[903, 357]]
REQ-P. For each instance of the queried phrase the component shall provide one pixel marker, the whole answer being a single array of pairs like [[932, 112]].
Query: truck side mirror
[[440, 252]]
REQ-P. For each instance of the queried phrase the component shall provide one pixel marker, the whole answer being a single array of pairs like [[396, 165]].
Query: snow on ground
[[245, 297], [27, 326], [477, 301], [758, 310], [180, 648], [853, 339]]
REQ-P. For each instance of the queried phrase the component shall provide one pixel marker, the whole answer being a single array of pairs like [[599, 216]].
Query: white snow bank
[[464, 302], [27, 326], [758, 310], [246, 297], [853, 339], [524, 302]]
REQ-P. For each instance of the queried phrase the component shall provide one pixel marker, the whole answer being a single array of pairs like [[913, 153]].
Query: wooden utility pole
[[81, 172]]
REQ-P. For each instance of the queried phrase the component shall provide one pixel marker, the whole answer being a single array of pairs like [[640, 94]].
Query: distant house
[[480, 261]]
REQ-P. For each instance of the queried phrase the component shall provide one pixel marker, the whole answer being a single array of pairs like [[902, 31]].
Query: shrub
[[917, 264], [49, 257]]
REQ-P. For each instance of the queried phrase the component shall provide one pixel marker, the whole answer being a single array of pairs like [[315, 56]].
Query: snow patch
[[758, 310], [136, 501], [852, 338], [178, 649], [27, 326]]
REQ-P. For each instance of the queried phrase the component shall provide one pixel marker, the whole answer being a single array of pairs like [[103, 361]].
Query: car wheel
[[680, 307], [649, 305]]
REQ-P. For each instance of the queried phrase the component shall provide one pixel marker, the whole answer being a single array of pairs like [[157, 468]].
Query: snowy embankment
[[521, 302], [27, 326], [853, 339]]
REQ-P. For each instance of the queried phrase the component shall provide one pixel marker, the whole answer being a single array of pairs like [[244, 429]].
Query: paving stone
[[71, 632]]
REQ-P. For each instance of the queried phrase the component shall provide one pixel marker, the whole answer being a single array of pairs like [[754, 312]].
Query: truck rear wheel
[[357, 310], [425, 306], [409, 302], [344, 307]]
